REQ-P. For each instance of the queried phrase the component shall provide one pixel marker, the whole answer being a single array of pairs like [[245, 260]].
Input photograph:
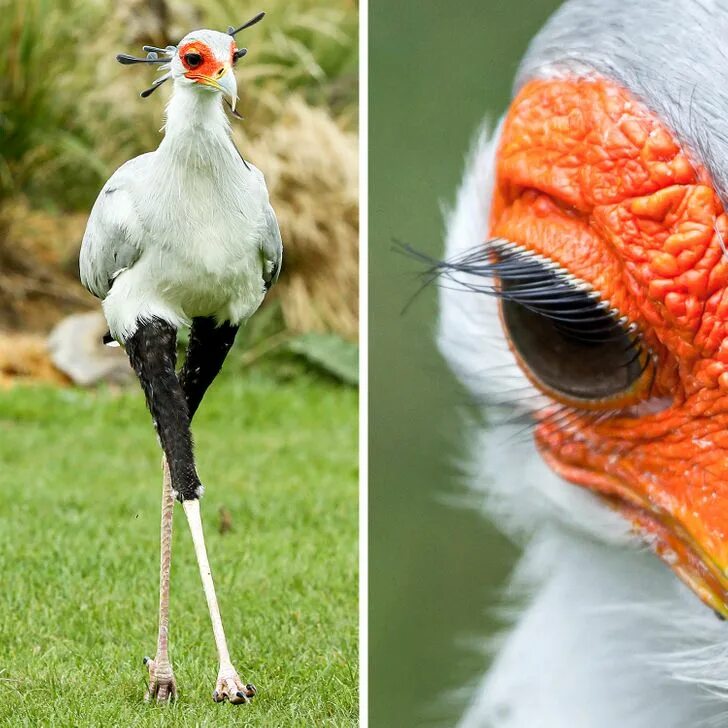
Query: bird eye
[[192, 60], [566, 337], [564, 334]]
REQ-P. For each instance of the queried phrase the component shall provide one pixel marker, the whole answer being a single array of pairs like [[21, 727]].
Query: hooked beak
[[224, 81]]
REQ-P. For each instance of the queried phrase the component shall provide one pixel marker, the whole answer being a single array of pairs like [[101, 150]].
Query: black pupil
[[193, 59], [568, 344]]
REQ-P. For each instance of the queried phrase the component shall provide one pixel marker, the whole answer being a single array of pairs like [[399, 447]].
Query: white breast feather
[[195, 218]]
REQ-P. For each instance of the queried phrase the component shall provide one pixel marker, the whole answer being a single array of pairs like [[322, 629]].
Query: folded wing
[[113, 241]]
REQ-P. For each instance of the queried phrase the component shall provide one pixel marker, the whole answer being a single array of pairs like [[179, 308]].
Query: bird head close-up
[[202, 61], [584, 303], [606, 255]]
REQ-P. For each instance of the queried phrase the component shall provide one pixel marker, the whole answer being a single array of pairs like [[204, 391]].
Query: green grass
[[80, 486]]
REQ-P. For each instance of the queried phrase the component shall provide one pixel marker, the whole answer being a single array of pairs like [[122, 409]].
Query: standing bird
[[184, 236], [585, 290]]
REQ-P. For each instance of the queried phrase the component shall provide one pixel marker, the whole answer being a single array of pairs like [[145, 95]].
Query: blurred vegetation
[[61, 135], [70, 115], [41, 136]]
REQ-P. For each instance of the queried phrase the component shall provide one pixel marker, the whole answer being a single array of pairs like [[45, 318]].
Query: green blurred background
[[436, 70]]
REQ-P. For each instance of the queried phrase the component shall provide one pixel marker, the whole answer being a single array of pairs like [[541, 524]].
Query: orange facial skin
[[210, 66], [589, 177]]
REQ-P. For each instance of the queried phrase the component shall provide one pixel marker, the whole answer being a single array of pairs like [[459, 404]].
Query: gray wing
[[113, 238], [271, 248]]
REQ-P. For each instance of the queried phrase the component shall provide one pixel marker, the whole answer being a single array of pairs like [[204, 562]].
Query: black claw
[[241, 695], [215, 696], [146, 660], [251, 688]]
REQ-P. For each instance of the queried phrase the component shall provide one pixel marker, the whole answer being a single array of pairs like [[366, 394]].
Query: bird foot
[[162, 685], [230, 687]]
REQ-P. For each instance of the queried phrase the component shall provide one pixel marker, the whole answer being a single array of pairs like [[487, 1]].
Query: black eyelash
[[507, 271]]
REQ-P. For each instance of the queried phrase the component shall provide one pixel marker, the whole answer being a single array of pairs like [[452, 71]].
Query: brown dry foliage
[[25, 357], [311, 167], [38, 284]]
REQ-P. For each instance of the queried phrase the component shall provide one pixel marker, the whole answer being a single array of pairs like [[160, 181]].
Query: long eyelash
[[566, 418], [509, 272]]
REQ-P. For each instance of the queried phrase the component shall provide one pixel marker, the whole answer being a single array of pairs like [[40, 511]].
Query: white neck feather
[[608, 637], [196, 131]]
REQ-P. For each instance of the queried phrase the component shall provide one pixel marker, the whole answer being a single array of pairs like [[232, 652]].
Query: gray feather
[[110, 244], [271, 248]]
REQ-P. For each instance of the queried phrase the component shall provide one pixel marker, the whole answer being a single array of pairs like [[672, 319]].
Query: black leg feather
[[208, 347], [152, 352]]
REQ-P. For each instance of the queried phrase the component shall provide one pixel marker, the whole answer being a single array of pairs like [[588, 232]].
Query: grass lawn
[[80, 487]]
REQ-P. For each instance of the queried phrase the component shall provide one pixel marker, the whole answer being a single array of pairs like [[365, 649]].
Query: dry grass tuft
[[25, 357], [38, 279], [311, 167]]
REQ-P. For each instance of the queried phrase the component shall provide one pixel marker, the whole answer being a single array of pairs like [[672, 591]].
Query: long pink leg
[[162, 685], [229, 686]]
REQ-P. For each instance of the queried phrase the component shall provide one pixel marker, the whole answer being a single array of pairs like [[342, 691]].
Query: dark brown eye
[[587, 360], [192, 60], [564, 334]]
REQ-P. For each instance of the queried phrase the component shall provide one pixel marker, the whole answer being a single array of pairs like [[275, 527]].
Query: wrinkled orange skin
[[210, 66], [589, 177]]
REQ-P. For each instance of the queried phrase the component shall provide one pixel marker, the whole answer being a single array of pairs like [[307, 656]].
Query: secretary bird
[[184, 235], [585, 290]]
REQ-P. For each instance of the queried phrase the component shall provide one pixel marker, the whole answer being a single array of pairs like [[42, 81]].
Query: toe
[[235, 691], [162, 685], [152, 689], [230, 687], [238, 697]]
